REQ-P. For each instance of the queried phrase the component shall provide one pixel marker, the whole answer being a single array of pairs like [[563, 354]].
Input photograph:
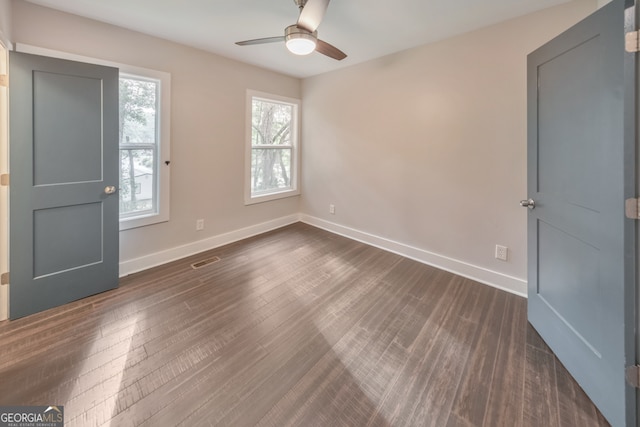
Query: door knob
[[110, 189], [528, 203]]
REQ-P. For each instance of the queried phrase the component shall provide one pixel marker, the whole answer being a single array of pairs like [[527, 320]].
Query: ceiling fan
[[302, 37]]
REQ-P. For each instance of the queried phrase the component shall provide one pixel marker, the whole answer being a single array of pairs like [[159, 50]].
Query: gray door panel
[[578, 174], [54, 142], [63, 153]]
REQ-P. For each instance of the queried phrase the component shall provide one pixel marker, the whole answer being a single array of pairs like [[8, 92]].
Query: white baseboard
[[495, 279], [179, 252]]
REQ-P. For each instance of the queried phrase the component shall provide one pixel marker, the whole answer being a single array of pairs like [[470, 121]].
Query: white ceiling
[[363, 29]]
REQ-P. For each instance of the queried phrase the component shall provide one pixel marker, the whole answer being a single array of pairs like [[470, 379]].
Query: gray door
[[63, 155], [581, 145]]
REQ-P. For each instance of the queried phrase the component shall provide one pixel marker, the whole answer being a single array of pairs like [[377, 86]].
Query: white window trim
[[295, 149], [162, 192], [164, 171]]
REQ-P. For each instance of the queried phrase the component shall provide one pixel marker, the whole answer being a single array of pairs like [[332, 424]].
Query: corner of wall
[[479, 274]]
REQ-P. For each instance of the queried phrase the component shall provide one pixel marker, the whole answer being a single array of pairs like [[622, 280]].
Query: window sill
[[142, 221], [252, 200]]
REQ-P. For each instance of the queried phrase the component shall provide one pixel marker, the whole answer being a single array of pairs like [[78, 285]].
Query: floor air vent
[[199, 264]]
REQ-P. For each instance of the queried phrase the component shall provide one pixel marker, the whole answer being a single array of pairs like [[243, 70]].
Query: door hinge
[[4, 180], [632, 42], [4, 278], [632, 374], [632, 208]]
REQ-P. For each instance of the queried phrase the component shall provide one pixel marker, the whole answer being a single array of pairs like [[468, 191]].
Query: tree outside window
[[273, 141], [138, 146]]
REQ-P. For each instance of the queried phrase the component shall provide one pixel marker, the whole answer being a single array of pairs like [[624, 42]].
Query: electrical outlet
[[332, 209], [199, 224], [502, 252]]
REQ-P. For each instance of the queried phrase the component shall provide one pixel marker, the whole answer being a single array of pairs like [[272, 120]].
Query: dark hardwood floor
[[294, 327]]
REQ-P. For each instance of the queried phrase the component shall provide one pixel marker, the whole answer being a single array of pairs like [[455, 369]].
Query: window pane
[[136, 181], [271, 123], [270, 169], [138, 108]]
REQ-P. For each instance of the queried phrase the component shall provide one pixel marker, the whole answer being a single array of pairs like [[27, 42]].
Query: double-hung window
[[272, 161], [143, 186]]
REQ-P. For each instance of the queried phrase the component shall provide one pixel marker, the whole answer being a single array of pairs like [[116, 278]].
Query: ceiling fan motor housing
[[295, 32]]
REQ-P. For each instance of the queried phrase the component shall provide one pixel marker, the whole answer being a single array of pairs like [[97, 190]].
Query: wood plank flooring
[[296, 327]]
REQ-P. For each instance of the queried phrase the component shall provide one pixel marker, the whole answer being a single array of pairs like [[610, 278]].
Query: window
[[138, 146], [143, 172], [272, 147]]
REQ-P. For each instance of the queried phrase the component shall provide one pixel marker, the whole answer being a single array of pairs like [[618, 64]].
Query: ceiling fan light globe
[[301, 45], [300, 41]]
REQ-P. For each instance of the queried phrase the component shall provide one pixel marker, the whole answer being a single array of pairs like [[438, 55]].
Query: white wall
[[207, 129], [424, 151], [5, 22]]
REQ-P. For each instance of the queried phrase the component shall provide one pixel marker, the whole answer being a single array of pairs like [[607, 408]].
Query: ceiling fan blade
[[261, 41], [330, 50], [312, 14]]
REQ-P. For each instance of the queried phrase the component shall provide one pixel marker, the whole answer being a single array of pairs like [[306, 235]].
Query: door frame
[[4, 168], [632, 293]]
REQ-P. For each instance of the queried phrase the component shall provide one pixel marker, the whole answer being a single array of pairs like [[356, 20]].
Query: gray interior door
[[63, 155], [581, 249]]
